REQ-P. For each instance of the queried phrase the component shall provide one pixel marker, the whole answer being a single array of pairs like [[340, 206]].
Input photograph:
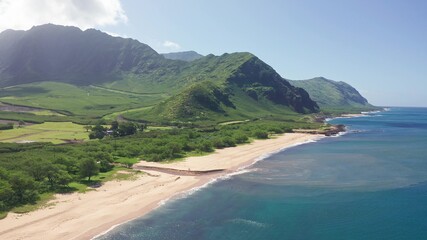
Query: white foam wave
[[111, 228], [189, 192], [371, 112], [249, 222], [339, 134], [240, 170]]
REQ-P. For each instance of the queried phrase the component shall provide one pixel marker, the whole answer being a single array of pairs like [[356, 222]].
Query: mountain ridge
[[331, 94], [187, 56], [53, 52], [93, 58]]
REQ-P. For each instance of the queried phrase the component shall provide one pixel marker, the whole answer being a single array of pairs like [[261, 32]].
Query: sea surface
[[370, 183]]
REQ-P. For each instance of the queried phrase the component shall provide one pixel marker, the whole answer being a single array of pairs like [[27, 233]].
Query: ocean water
[[370, 183]]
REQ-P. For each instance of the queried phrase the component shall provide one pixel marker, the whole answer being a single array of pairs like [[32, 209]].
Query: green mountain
[[187, 56], [331, 94], [231, 86], [67, 54], [47, 65]]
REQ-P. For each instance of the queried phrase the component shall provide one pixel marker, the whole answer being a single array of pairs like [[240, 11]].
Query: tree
[[6, 194], [127, 128], [142, 126], [71, 166], [57, 175], [205, 146], [37, 168], [87, 127], [104, 159], [261, 134], [21, 123], [105, 166], [128, 162], [88, 168], [114, 125], [23, 187], [98, 131], [63, 178], [240, 138]]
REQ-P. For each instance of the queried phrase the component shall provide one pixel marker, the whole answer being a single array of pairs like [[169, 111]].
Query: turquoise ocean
[[370, 183]]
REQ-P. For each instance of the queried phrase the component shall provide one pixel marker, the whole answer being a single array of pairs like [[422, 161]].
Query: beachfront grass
[[41, 203], [126, 161], [117, 174], [79, 187], [55, 132]]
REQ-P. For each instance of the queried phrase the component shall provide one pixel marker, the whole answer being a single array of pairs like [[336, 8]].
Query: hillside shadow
[[22, 91]]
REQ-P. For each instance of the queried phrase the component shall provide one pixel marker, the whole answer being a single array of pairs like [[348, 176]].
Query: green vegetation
[[334, 97], [88, 168], [126, 162], [30, 117], [230, 87], [41, 203], [73, 101], [116, 130], [187, 56], [29, 172], [69, 55], [6, 126], [55, 132]]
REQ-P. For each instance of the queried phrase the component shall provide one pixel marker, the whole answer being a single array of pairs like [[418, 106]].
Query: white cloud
[[23, 14], [116, 34], [171, 45]]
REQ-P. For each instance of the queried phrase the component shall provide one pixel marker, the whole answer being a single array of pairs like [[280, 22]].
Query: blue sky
[[378, 46]]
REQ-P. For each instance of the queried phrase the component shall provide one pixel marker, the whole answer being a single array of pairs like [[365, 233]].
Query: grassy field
[[90, 101], [113, 116], [46, 113], [55, 132]]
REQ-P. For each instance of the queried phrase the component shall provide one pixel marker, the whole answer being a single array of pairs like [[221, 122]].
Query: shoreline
[[92, 214]]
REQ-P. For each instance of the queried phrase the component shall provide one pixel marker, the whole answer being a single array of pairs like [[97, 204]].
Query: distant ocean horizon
[[370, 183]]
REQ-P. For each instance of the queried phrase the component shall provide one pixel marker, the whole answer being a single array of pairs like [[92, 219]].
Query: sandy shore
[[83, 216]]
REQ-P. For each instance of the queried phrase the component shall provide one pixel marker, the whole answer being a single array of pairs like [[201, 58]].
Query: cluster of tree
[[27, 170], [116, 130], [38, 176]]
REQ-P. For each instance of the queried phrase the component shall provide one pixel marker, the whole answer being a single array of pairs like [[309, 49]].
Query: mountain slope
[[259, 80], [230, 86], [237, 84], [187, 56], [332, 94], [68, 54]]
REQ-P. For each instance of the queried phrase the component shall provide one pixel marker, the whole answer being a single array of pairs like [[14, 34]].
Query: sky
[[379, 47]]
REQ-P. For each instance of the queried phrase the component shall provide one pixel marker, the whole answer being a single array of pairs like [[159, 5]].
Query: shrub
[[259, 134]]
